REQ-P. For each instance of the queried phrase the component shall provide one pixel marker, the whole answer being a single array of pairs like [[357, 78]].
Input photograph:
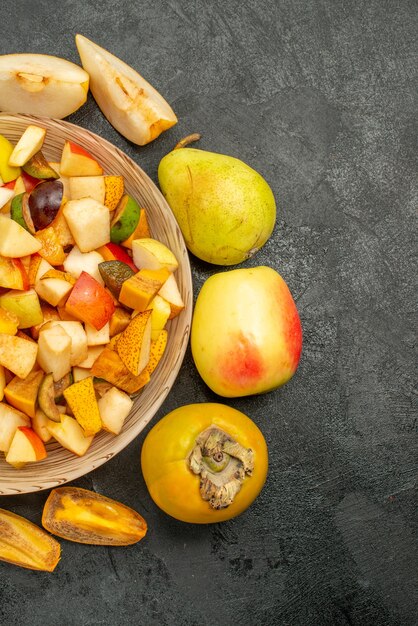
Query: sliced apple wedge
[[39, 84], [128, 101], [114, 408], [76, 161], [151, 254], [70, 435], [17, 355], [29, 144], [170, 292], [5, 196], [10, 420], [26, 447], [15, 241]]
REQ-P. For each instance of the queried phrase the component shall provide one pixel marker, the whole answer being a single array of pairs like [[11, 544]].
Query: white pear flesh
[[126, 99], [40, 84]]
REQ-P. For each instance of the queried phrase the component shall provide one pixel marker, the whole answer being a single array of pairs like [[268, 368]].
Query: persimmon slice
[[25, 544], [87, 517]]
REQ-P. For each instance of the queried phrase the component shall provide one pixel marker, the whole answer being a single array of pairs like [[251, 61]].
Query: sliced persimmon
[[87, 517]]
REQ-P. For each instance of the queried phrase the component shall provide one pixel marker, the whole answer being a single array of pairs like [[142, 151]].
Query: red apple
[[246, 332], [76, 161], [90, 302]]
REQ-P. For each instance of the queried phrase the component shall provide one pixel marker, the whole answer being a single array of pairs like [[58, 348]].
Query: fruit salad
[[85, 296]]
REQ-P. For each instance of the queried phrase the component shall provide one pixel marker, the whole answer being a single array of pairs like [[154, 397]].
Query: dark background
[[318, 96]]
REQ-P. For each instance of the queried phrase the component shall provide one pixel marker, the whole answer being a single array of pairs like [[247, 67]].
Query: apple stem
[[187, 140]]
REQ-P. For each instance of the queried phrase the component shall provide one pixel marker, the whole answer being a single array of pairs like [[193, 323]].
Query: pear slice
[[39, 84], [127, 100]]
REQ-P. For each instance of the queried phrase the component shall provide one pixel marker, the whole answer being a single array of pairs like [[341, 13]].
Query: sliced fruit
[[8, 173], [110, 366], [54, 354], [134, 343], [10, 420], [81, 399], [44, 202], [114, 252], [46, 399], [151, 254], [29, 181], [62, 230], [87, 517], [12, 274], [29, 144], [51, 249], [125, 220], [97, 337], [9, 322], [93, 353], [2, 381], [24, 304], [76, 332], [49, 313], [89, 223], [62, 384], [90, 302], [80, 373], [160, 314], [126, 99], [15, 241], [171, 293], [37, 268], [76, 161], [26, 447], [55, 291], [39, 84], [77, 262], [88, 187], [70, 435], [38, 167], [142, 230], [114, 408], [114, 274], [114, 188], [26, 545], [119, 321], [20, 212], [40, 426], [5, 196], [156, 351], [22, 394], [138, 291]]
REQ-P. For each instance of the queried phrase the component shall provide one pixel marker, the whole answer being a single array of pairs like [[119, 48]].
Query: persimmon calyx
[[222, 464]]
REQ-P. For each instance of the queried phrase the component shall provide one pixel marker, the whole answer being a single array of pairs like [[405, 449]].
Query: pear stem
[[186, 140]]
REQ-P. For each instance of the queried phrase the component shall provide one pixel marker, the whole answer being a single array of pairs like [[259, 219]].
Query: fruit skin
[[172, 486], [26, 545], [24, 304], [125, 220], [225, 209], [40, 84], [255, 331], [75, 161], [126, 99], [90, 302]]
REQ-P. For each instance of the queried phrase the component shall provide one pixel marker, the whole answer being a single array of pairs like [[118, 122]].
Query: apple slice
[[90, 302], [126, 99], [113, 252], [89, 223], [93, 353], [12, 274], [10, 420], [114, 408], [170, 292], [39, 84], [29, 144], [15, 241], [97, 337], [70, 435], [77, 262], [5, 196], [54, 287], [78, 336], [54, 351], [26, 447], [87, 187], [24, 304], [17, 355], [151, 254], [76, 161]]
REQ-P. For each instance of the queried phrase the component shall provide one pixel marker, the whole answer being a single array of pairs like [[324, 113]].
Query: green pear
[[225, 209]]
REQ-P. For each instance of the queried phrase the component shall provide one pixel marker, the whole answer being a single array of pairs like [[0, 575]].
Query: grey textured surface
[[319, 96]]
